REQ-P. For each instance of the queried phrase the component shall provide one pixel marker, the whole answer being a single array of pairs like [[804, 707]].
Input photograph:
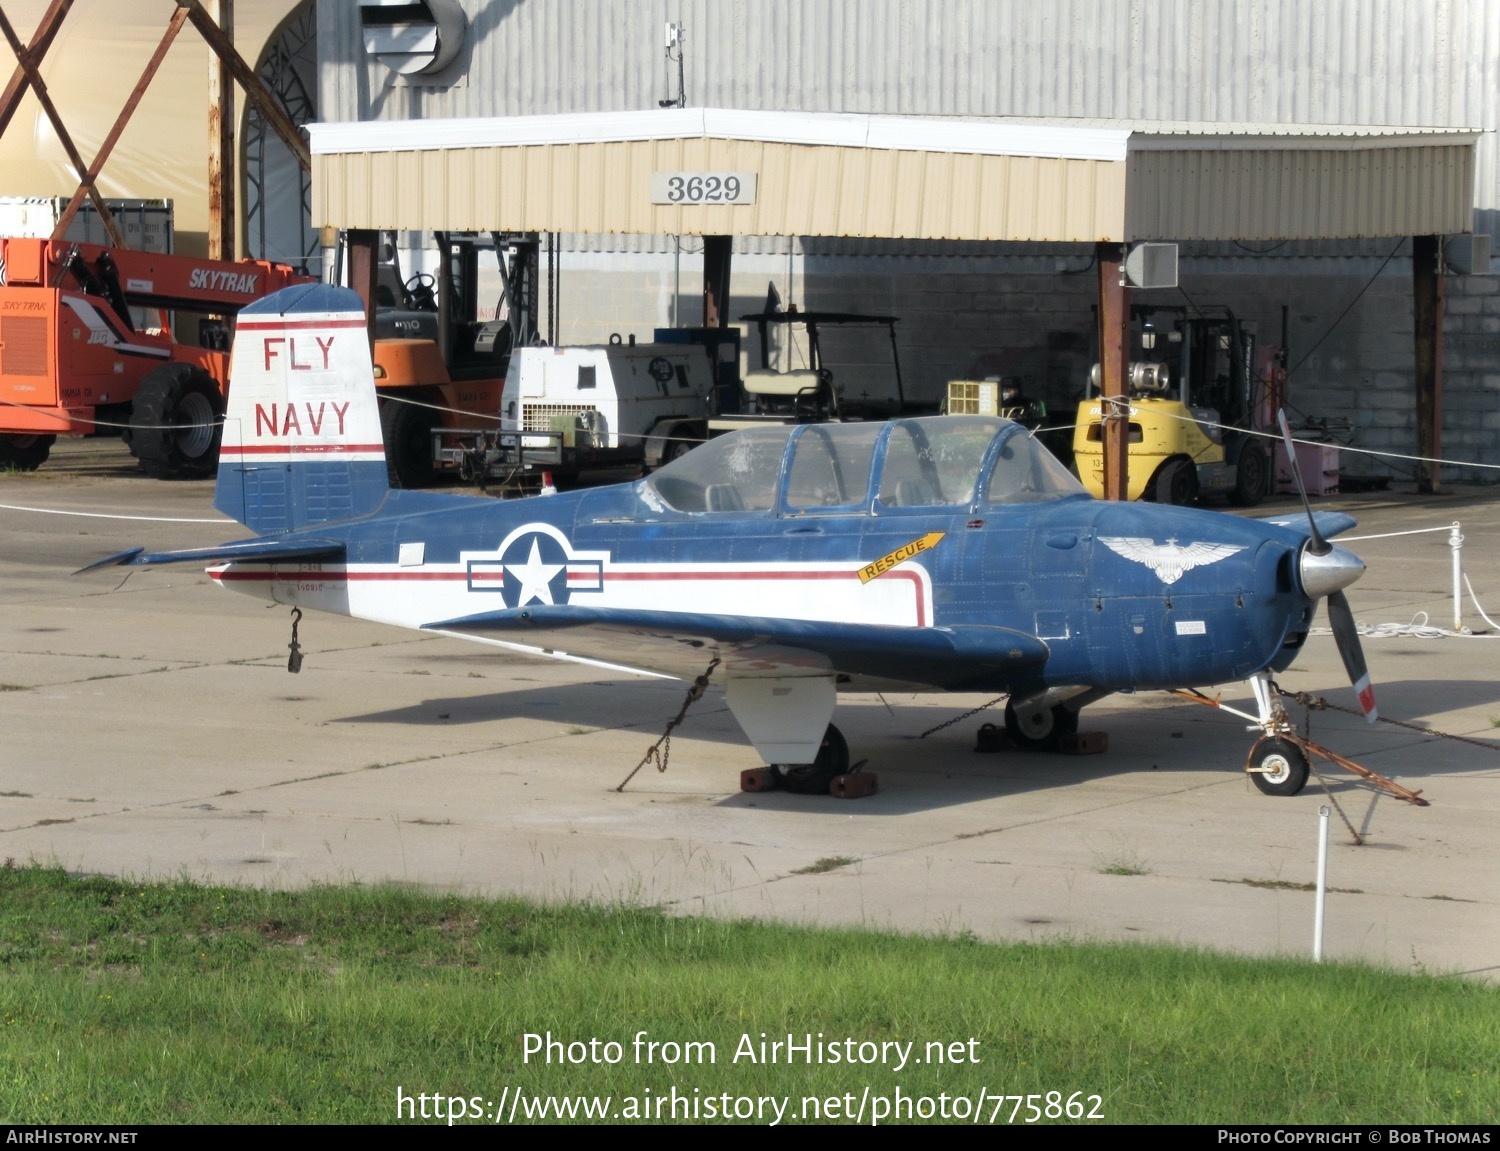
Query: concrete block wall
[[1349, 329]]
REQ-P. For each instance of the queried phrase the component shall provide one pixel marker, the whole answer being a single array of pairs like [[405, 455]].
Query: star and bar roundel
[[536, 564]]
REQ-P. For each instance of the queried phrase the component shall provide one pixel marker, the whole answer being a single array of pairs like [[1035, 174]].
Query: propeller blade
[[1318, 545], [1346, 635]]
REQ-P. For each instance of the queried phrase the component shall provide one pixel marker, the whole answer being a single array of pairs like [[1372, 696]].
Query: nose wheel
[[1278, 766]]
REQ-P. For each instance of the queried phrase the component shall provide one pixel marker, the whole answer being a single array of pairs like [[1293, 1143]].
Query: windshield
[[1027, 473]]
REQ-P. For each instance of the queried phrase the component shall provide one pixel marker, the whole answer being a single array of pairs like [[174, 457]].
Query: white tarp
[[90, 70]]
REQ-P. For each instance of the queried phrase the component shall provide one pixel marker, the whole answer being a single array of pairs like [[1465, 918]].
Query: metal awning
[[899, 177]]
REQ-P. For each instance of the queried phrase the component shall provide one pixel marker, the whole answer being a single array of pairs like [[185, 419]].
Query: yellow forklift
[[1194, 393]]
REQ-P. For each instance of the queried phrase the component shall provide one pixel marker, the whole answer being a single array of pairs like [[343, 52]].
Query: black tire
[[1250, 477], [407, 432], [177, 422], [1283, 766], [1176, 483], [1039, 729], [814, 778], [25, 453]]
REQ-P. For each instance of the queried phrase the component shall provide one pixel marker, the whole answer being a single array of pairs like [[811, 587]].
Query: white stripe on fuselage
[[431, 593]]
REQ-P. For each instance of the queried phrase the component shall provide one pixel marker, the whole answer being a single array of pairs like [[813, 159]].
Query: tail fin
[[302, 442]]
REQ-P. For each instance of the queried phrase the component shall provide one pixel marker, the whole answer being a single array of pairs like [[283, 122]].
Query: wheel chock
[[854, 786], [1084, 743], [990, 738], [758, 779]]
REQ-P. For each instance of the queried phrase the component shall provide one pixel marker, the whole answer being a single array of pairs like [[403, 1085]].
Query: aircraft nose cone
[[1333, 571]]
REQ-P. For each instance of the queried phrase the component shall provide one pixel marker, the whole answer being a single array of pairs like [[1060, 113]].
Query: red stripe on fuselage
[[277, 575], [299, 449]]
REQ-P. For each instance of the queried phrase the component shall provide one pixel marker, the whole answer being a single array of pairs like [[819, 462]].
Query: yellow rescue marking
[[899, 556]]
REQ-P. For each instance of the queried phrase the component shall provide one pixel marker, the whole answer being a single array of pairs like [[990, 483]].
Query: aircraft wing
[[680, 643], [1329, 523], [250, 551]]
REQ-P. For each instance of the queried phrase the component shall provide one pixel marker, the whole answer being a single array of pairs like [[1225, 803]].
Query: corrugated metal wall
[[1428, 62], [1267, 194]]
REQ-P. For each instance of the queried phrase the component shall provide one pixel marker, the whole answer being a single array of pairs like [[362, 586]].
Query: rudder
[[302, 442]]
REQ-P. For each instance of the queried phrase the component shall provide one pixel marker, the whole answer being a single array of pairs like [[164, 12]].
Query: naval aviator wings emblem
[[1171, 560]]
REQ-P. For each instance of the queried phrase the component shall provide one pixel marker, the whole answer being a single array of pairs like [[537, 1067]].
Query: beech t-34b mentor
[[944, 554]]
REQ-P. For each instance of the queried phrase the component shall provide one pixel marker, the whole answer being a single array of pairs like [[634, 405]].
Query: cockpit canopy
[[937, 461]]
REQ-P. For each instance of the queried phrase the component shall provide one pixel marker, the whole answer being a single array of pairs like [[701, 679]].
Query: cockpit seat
[[723, 498]]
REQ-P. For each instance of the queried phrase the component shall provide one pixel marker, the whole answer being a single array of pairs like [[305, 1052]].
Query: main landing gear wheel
[[177, 421], [814, 778], [1282, 766], [1038, 728], [25, 453]]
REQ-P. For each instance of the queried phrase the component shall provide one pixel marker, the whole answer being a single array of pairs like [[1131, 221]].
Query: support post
[[1427, 299], [254, 87], [364, 247], [1114, 355], [221, 177], [717, 254]]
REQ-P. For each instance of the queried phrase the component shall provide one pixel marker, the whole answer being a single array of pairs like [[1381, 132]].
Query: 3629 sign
[[694, 188]]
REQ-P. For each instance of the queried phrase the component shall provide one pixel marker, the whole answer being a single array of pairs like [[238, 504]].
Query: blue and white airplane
[[944, 554]]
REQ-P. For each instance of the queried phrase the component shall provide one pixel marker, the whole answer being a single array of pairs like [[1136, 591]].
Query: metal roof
[[925, 177], [969, 135]]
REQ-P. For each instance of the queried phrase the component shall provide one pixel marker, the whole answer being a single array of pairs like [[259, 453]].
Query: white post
[[1323, 813], [1456, 542]]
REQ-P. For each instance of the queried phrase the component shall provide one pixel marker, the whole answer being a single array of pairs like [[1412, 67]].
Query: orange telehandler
[[76, 356]]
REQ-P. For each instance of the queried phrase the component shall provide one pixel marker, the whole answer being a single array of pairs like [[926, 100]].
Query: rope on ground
[[222, 522], [659, 751]]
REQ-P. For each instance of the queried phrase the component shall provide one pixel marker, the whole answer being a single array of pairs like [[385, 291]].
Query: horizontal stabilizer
[[1329, 523], [679, 642], [247, 551]]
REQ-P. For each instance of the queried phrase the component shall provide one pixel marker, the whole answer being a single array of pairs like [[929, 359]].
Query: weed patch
[[827, 863]]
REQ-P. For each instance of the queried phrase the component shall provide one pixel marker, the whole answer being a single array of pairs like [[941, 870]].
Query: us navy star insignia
[[535, 577], [1170, 561]]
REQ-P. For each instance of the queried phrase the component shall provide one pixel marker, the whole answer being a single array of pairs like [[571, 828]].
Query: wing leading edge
[[680, 643]]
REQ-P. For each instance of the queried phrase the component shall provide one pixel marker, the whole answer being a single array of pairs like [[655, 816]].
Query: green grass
[[160, 1002]]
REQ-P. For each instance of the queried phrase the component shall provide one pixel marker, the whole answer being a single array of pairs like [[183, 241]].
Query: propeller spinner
[[1326, 570]]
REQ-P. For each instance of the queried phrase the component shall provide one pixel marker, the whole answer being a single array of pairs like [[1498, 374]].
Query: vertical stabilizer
[[302, 441]]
